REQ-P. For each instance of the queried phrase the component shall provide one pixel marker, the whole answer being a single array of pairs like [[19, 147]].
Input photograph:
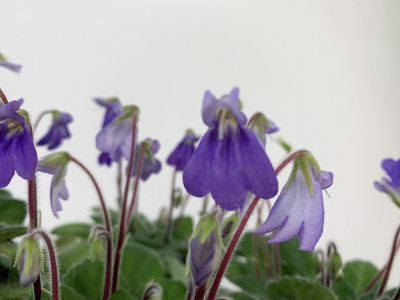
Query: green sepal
[[334, 265], [128, 113], [32, 248]]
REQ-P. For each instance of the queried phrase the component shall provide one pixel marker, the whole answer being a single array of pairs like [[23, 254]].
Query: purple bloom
[[183, 152], [229, 160], [13, 67], [299, 209], [115, 138], [390, 186], [57, 132], [112, 107], [17, 152], [150, 165], [56, 164]]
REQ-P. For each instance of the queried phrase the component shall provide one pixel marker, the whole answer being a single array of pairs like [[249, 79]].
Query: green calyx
[[128, 113], [2, 57], [206, 225], [56, 114], [24, 114], [33, 255], [58, 158]]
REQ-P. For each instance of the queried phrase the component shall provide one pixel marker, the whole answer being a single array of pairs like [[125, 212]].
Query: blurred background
[[326, 72]]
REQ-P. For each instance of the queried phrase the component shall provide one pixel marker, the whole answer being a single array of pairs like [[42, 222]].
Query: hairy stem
[[171, 208], [3, 97]]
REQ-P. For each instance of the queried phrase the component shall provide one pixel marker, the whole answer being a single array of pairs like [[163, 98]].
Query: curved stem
[[331, 247], [221, 270], [43, 113], [3, 97], [121, 234], [107, 277], [390, 262], [53, 263], [397, 295], [135, 188], [171, 208]]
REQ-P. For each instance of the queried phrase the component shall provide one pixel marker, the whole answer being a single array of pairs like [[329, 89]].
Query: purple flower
[[112, 107], [229, 160], [56, 164], [17, 152], [150, 165], [261, 126], [183, 152], [299, 209], [57, 131], [115, 138], [13, 67], [390, 186]]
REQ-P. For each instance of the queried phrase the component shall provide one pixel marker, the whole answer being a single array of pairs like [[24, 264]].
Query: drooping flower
[[57, 131], [29, 258], [112, 107], [17, 151], [299, 209], [261, 126], [229, 160], [183, 151], [13, 67], [150, 165], [390, 186], [115, 138], [56, 165]]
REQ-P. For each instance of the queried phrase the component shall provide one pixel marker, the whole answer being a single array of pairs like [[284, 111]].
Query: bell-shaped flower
[[205, 246], [17, 151], [299, 209], [115, 137], [29, 258], [229, 161], [183, 151], [390, 186], [56, 165], [57, 131], [150, 164], [261, 126], [11, 66]]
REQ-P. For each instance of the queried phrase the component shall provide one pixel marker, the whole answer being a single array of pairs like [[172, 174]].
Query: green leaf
[[343, 289], [299, 289], [176, 268], [121, 295], [359, 274], [14, 291], [5, 194], [251, 284], [139, 266], [172, 289], [182, 228], [68, 292], [73, 230], [72, 254], [86, 278], [9, 232], [12, 211]]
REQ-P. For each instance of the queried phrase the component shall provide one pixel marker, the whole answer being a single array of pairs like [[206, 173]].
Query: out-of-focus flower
[[115, 138], [17, 152], [229, 160], [57, 131], [56, 164], [183, 151], [150, 165], [390, 186], [299, 209], [11, 66], [112, 107], [261, 126]]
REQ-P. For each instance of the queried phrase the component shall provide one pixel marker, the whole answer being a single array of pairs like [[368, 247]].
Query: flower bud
[[30, 261], [334, 265], [204, 249], [96, 242], [153, 291]]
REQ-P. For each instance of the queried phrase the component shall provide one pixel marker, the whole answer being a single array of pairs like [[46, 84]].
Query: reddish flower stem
[[53, 263], [43, 113], [108, 270], [3, 97], [135, 188], [222, 267], [390, 262], [200, 292], [121, 234], [171, 208]]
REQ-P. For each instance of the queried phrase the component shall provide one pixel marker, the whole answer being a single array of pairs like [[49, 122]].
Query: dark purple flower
[[56, 165], [17, 152], [390, 186], [183, 152], [299, 209], [13, 67], [57, 131], [115, 138], [151, 165], [229, 160]]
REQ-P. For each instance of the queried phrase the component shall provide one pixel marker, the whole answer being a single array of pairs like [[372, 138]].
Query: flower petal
[[25, 156]]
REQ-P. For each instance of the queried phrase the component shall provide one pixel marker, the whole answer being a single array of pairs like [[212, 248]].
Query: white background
[[327, 73]]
